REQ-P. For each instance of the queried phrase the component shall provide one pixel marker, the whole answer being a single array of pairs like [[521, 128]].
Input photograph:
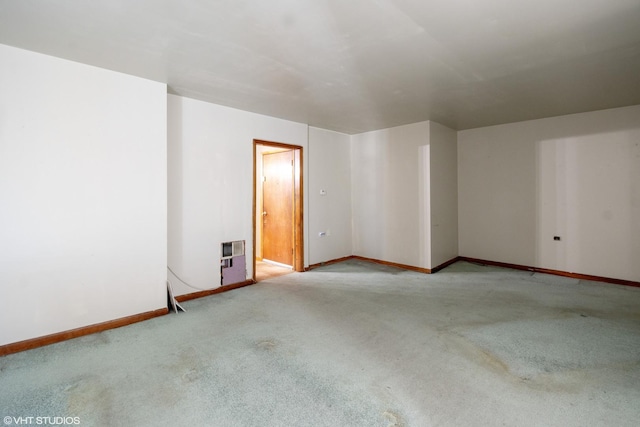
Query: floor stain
[[394, 419], [470, 351], [267, 344], [566, 382], [188, 366], [101, 338], [191, 376], [89, 397]]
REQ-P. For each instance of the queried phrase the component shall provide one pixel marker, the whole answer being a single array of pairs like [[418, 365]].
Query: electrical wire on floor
[[186, 283], [175, 305]]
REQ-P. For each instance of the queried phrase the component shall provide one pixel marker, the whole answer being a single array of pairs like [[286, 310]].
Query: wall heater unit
[[233, 265]]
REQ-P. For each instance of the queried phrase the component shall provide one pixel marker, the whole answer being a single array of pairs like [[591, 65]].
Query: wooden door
[[277, 207]]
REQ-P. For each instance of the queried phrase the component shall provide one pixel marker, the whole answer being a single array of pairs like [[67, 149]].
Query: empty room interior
[[385, 213]]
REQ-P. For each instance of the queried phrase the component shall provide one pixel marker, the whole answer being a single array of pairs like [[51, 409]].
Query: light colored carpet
[[355, 344]]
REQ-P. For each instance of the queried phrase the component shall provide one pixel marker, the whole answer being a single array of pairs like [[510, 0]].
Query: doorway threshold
[[265, 270], [278, 264]]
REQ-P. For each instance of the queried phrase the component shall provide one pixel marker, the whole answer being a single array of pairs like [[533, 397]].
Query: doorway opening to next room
[[277, 206]]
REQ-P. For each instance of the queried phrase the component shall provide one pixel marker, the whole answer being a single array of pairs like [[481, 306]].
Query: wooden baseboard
[[445, 264], [78, 332], [124, 321], [200, 294], [111, 324], [333, 261], [394, 264], [391, 264], [579, 276]]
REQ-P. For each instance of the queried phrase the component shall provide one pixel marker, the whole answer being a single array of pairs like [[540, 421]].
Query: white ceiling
[[356, 65]]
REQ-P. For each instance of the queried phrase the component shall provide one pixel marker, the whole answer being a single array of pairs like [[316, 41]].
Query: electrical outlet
[[557, 238]]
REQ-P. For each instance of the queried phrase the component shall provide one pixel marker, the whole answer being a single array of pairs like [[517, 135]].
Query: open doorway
[[277, 209]]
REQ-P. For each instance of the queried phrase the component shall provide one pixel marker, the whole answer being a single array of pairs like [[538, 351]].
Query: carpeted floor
[[355, 344]]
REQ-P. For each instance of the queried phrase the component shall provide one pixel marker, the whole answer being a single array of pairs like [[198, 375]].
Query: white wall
[[83, 195], [329, 170], [443, 194], [389, 171], [211, 184], [575, 176]]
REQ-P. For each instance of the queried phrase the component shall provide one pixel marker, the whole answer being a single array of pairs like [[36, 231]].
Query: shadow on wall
[[175, 183], [588, 195], [576, 177]]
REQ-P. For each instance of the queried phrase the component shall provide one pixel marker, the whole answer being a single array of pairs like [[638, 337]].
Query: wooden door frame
[[298, 205]]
